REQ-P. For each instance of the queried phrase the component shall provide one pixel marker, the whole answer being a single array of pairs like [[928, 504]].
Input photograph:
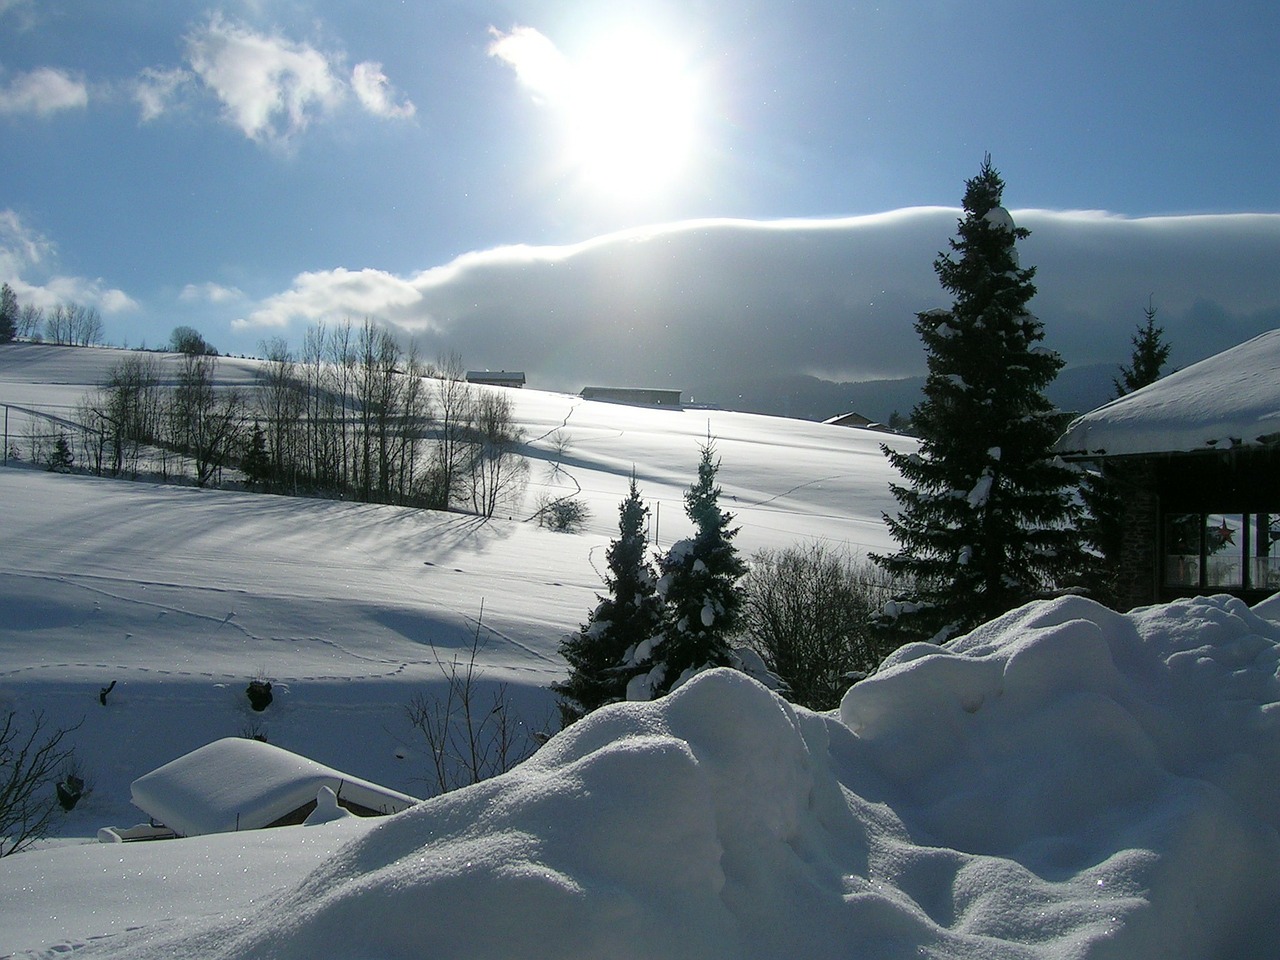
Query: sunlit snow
[[1065, 782]]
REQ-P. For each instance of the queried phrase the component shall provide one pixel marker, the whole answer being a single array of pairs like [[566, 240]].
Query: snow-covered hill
[[1063, 783]]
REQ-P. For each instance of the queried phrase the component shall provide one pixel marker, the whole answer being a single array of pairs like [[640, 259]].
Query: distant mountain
[[1076, 390]]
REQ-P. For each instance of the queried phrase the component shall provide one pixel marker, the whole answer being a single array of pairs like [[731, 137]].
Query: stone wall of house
[[1138, 570]]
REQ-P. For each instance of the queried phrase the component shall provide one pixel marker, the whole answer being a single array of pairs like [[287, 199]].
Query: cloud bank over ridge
[[707, 304]]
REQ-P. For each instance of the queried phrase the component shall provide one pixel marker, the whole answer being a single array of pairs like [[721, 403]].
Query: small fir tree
[[256, 463], [703, 599], [61, 459], [627, 617], [1150, 353], [987, 516]]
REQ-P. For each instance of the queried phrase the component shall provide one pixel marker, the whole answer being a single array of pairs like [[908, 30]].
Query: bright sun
[[631, 116]]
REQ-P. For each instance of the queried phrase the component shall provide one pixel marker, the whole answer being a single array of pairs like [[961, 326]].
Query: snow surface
[[1065, 782], [1230, 399]]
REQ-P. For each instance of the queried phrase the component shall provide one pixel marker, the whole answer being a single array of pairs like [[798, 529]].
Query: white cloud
[[156, 89], [43, 91], [209, 293], [719, 303], [375, 93], [332, 294], [269, 87], [28, 265], [538, 64]]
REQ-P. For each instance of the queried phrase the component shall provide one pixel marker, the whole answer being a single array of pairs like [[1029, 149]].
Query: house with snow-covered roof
[[1195, 458], [241, 784]]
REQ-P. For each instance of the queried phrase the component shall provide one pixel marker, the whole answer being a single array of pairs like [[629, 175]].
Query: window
[[1222, 551]]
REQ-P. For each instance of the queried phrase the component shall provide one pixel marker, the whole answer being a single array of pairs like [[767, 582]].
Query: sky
[[636, 191]]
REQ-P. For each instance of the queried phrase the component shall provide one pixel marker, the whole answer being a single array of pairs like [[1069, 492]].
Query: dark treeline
[[354, 416]]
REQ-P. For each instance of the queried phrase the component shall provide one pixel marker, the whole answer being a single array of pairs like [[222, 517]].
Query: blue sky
[[253, 166]]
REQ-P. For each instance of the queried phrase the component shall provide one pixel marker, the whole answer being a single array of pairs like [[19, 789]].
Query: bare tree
[[57, 325], [498, 472], [85, 325], [282, 401], [30, 321], [206, 421], [472, 732], [455, 414], [31, 759]]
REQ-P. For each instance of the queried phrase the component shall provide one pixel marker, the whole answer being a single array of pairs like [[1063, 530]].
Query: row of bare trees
[[354, 416]]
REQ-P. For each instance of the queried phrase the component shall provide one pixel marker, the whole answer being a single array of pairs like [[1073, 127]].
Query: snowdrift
[[1064, 782]]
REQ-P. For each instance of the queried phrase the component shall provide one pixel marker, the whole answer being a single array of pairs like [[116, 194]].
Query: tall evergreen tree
[[9, 313], [987, 518], [1150, 353], [699, 584], [628, 616]]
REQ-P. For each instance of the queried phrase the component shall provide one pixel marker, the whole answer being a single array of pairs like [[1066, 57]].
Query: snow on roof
[[241, 784], [1228, 400]]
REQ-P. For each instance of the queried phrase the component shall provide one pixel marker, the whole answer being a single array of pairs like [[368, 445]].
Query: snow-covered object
[[1000, 218], [241, 784], [1227, 400], [327, 809], [1065, 782]]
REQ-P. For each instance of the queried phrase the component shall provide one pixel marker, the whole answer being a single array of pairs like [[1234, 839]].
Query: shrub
[[564, 515], [808, 616]]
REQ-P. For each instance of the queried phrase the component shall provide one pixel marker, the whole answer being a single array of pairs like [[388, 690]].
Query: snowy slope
[[183, 595], [1063, 783]]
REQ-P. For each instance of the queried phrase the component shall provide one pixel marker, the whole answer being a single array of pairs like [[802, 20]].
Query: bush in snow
[[31, 760], [628, 616], [563, 515], [701, 594], [808, 615], [988, 514]]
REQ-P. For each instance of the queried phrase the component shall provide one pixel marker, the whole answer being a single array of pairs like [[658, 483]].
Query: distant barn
[[498, 378], [637, 396], [850, 420]]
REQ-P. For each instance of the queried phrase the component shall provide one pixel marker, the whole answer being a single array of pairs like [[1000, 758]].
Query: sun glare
[[632, 116]]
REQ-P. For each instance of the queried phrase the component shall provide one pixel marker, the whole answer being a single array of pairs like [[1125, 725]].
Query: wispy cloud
[[209, 293], [727, 302], [155, 90], [375, 93], [28, 263], [43, 91]]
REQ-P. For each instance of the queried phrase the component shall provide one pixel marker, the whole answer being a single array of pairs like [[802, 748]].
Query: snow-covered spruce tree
[[1150, 353], [701, 593], [988, 517], [628, 616]]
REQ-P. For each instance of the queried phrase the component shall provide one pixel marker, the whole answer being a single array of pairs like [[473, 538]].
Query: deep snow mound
[[1064, 782]]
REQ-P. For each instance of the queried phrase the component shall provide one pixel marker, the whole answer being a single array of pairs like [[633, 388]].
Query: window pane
[[1265, 574], [1182, 550], [1224, 538]]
